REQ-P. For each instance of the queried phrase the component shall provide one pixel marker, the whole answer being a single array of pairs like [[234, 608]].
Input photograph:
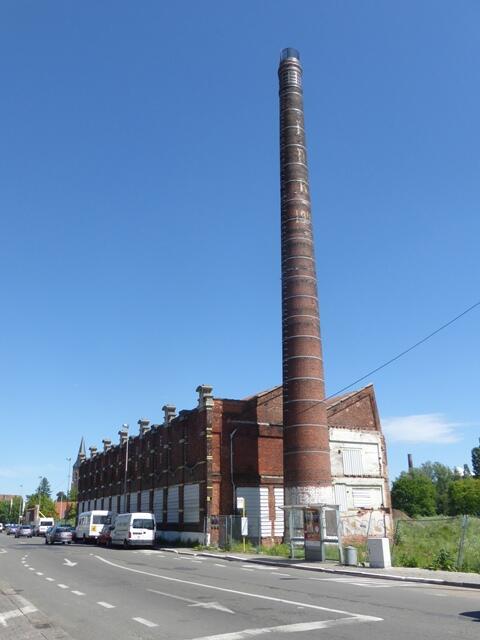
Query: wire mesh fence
[[438, 543], [230, 530]]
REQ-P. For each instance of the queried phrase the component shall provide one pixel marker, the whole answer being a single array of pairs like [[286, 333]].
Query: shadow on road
[[475, 615]]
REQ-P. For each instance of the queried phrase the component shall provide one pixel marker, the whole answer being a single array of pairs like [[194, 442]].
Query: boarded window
[[341, 496], [158, 505], [257, 511], [191, 503], [172, 504], [367, 497], [145, 501], [279, 524], [352, 462]]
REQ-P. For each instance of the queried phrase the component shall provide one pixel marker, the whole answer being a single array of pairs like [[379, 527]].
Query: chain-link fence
[[438, 543], [229, 530]]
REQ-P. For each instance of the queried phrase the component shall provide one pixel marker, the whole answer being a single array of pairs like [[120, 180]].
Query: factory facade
[[189, 470], [288, 447]]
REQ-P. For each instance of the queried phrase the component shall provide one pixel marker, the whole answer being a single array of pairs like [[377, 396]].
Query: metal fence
[[438, 543], [230, 530]]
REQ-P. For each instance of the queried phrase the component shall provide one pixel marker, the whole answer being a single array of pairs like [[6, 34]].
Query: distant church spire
[[76, 467]]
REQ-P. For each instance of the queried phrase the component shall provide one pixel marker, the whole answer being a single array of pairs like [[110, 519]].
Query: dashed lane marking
[[220, 565], [63, 586], [106, 605], [145, 622], [78, 593], [50, 579], [282, 575], [39, 573], [31, 568]]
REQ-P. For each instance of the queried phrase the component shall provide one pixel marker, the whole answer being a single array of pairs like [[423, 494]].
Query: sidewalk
[[19, 618], [406, 574]]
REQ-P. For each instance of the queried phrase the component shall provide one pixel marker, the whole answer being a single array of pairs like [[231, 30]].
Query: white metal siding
[[266, 524], [257, 511], [341, 496], [191, 503], [352, 462], [122, 504], [145, 501], [114, 504], [172, 504], [279, 524], [158, 505]]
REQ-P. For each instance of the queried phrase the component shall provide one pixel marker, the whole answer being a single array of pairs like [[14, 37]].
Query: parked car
[[105, 536], [1, 527], [11, 529], [58, 533], [24, 531]]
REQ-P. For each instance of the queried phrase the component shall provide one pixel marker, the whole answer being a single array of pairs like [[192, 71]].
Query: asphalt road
[[92, 592]]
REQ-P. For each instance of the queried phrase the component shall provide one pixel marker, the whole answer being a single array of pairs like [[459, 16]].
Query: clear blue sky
[[139, 213]]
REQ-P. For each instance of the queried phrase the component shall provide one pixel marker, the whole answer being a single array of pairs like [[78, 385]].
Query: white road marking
[[287, 628], [197, 561], [261, 567], [63, 586], [240, 593], [220, 565], [194, 603], [15, 613], [283, 575], [245, 569], [106, 605], [3, 551], [31, 568], [23, 607], [78, 593], [69, 563], [39, 573], [50, 579], [147, 623]]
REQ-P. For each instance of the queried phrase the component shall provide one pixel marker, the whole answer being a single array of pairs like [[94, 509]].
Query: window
[[139, 523], [352, 462], [100, 519]]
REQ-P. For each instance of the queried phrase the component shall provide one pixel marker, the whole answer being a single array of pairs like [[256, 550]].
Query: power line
[[399, 355], [414, 346]]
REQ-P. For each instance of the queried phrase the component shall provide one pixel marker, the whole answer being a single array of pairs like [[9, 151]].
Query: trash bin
[[351, 559]]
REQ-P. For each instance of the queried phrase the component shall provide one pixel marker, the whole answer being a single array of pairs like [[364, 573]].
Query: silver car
[[59, 533]]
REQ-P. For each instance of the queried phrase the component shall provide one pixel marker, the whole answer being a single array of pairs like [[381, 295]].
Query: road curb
[[345, 572]]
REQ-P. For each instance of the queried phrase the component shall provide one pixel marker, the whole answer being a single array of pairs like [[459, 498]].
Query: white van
[[134, 529], [90, 524]]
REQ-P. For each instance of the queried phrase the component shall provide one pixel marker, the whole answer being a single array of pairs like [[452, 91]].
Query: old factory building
[[286, 447]]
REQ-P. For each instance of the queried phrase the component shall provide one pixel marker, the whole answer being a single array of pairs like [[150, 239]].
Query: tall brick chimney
[[306, 461]]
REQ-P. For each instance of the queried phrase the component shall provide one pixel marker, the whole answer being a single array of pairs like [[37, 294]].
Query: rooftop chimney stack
[[307, 472]]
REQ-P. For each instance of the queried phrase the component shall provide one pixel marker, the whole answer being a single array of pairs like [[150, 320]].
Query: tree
[[10, 510], [61, 497], [46, 504], [466, 471], [44, 488], [464, 497], [442, 477], [414, 493], [476, 461]]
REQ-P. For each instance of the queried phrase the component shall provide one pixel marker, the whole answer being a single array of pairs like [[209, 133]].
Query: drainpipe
[[232, 435]]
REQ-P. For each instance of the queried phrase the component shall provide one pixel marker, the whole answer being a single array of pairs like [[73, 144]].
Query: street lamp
[[124, 433], [20, 515]]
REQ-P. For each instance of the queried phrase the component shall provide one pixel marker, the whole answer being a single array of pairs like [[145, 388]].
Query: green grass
[[433, 543]]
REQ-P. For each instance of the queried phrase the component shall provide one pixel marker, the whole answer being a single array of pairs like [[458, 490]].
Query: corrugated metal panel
[[341, 496], [158, 505], [368, 497], [265, 522], [191, 503], [145, 501], [352, 462], [279, 524], [122, 504], [172, 504]]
